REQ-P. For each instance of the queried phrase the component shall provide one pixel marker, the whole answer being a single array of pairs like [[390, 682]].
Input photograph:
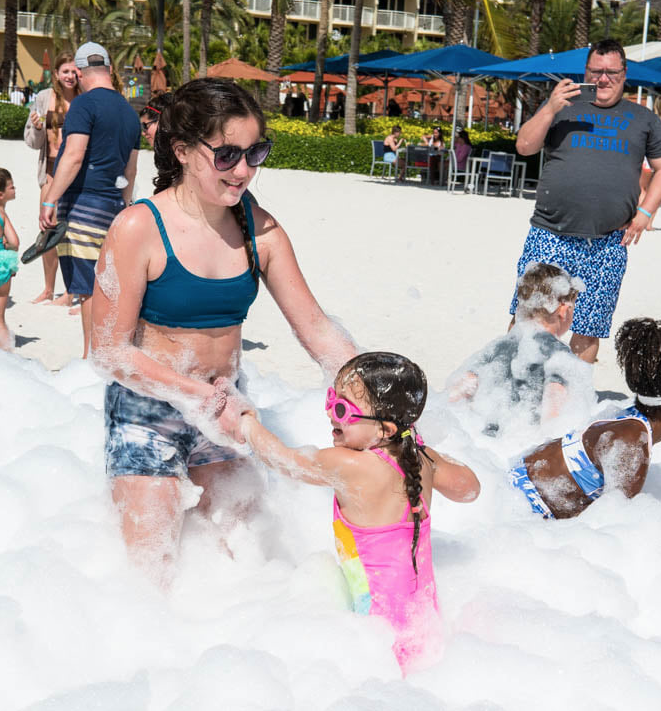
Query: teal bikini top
[[179, 298]]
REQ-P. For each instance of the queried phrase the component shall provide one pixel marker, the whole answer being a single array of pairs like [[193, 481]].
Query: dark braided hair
[[638, 348], [396, 389], [198, 110]]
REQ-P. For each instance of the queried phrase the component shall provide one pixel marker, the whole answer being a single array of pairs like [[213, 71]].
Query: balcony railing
[[432, 24], [261, 7], [31, 23], [396, 20], [343, 15]]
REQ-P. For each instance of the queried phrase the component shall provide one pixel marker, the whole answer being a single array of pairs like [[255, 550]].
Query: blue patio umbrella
[[457, 59], [560, 65], [340, 65]]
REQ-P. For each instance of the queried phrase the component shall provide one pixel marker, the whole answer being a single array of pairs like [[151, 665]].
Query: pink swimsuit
[[378, 567]]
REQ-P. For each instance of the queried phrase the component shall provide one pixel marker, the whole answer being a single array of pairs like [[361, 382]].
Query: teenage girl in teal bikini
[[175, 279], [563, 477]]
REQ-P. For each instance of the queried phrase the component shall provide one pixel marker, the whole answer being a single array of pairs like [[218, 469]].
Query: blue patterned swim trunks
[[519, 479], [149, 437], [599, 262]]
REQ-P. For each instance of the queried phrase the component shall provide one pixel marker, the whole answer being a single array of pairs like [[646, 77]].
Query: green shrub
[[12, 120]]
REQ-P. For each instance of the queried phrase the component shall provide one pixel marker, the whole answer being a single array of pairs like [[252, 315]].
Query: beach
[[407, 268], [536, 614]]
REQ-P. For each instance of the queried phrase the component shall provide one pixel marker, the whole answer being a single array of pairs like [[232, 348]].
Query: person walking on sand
[[99, 152], [43, 133], [587, 211]]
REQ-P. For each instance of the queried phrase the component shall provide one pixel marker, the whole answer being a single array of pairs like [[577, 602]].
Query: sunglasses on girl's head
[[226, 157], [344, 411]]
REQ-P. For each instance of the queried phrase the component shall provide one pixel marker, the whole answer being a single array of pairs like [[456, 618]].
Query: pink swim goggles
[[344, 411]]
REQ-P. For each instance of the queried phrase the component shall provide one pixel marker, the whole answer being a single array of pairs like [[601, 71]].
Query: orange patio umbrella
[[138, 64], [159, 82], [233, 68], [308, 78]]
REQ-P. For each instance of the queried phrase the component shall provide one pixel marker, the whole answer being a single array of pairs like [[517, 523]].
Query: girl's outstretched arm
[[453, 479], [321, 467]]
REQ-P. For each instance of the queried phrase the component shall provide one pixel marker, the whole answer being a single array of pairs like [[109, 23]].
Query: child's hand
[[228, 405]]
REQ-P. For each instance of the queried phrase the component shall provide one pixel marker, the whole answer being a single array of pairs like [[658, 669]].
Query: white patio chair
[[454, 175]]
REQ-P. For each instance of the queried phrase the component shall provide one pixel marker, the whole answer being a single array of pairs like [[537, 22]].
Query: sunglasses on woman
[[226, 157], [146, 124], [344, 411]]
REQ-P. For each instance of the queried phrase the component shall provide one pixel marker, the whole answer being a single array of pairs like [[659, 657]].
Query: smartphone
[[588, 92]]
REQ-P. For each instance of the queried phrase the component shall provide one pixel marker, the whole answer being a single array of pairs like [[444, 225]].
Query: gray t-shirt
[[589, 185]]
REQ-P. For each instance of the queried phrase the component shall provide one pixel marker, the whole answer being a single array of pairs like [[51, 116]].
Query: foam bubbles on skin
[[620, 461], [81, 627]]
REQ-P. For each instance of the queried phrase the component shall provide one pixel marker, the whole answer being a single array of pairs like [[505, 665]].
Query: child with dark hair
[[383, 476], [563, 477], [8, 254], [529, 370], [150, 115]]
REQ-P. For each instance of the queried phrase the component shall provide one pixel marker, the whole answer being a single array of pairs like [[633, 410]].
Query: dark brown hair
[[606, 46], [5, 177], [638, 348], [396, 389]]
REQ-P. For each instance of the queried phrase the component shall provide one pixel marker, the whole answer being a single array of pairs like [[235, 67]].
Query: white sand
[[404, 268]]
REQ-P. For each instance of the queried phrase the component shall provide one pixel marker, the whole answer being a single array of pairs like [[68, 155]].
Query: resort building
[[408, 19], [34, 35]]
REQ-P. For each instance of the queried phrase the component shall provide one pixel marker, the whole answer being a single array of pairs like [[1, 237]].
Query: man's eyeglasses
[[611, 74], [146, 124], [225, 157]]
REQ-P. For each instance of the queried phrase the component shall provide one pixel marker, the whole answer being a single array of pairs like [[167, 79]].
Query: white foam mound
[[541, 615]]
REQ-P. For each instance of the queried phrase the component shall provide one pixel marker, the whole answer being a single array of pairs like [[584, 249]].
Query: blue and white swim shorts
[[149, 437], [599, 262]]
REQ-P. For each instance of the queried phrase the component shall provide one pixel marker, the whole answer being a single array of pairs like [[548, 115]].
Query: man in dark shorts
[[94, 174], [587, 210]]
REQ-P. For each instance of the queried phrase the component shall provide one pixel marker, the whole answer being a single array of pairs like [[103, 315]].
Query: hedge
[[12, 120]]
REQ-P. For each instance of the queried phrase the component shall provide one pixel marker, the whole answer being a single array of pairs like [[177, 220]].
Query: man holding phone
[[586, 211]]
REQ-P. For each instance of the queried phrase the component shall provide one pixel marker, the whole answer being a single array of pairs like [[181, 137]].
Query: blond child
[[530, 368], [8, 254]]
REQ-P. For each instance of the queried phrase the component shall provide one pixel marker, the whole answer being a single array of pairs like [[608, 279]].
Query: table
[[476, 162]]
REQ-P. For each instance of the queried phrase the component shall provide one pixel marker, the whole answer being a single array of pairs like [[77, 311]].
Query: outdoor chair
[[499, 168], [454, 174], [377, 159], [418, 158]]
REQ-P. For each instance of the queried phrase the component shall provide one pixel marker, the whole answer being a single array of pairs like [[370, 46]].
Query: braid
[[408, 458], [239, 213]]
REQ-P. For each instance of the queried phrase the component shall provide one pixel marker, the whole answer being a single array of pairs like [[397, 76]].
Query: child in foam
[[530, 370], [383, 477], [8, 254], [563, 477]]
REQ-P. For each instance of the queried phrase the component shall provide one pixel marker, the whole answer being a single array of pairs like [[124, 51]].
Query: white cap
[[87, 50]]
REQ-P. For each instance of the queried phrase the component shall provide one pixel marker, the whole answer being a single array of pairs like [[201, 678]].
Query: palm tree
[[78, 18], [279, 10], [186, 31], [9, 54], [322, 44], [456, 17], [352, 80], [583, 19], [536, 15], [205, 28]]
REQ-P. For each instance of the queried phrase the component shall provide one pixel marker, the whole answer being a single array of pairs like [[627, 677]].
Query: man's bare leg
[[585, 347]]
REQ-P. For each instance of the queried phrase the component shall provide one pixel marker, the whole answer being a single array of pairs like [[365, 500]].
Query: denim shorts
[[149, 437], [599, 262]]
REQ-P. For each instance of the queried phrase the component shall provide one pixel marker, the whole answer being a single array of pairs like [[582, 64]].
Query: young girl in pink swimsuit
[[383, 477]]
